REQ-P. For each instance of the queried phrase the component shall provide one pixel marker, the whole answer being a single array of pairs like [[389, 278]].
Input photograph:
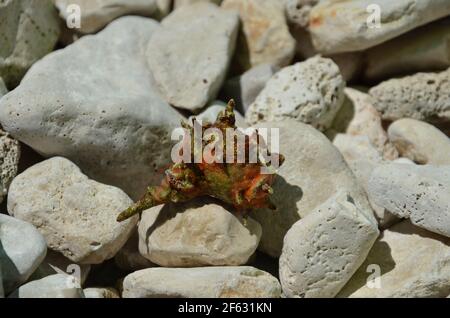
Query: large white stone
[[94, 102], [22, 249], [420, 142], [420, 193], [201, 282], [76, 215], [189, 55], [344, 26], [29, 30], [322, 251], [265, 37], [95, 292], [314, 170], [97, 14], [9, 161], [311, 92], [180, 3], [298, 11], [54, 286], [423, 96], [421, 50], [197, 233], [405, 261]]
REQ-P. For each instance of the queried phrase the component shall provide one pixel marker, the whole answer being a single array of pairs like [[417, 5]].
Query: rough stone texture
[[311, 92], [342, 26], [29, 30], [128, 258], [265, 37], [202, 282], [9, 162], [180, 3], [362, 158], [76, 215], [197, 233], [22, 249], [298, 11], [101, 293], [314, 170], [416, 192], [322, 251], [420, 142], [359, 117], [422, 50], [413, 263], [94, 103], [56, 263], [423, 96], [208, 45], [54, 286], [97, 14]]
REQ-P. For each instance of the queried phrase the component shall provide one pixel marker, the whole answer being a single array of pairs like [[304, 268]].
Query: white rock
[[412, 262], [322, 251], [56, 263], [28, 31], [207, 44], [201, 282], [180, 3], [359, 117], [345, 26], [420, 142], [9, 162], [197, 233], [404, 161], [94, 103], [421, 50], [101, 293], [128, 258], [22, 249], [76, 215], [97, 14], [213, 110], [423, 96], [314, 170], [298, 11], [265, 37], [54, 286], [362, 158], [311, 92], [416, 192]]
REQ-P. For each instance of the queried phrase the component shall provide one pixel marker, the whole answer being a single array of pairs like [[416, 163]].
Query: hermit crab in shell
[[245, 184]]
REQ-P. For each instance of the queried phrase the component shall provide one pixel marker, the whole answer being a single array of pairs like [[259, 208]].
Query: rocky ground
[[364, 116]]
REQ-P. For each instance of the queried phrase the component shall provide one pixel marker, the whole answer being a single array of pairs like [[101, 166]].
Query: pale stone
[[54, 286], [421, 142], [180, 3], [22, 249], [298, 11], [28, 31], [202, 282], [423, 96], [205, 36], [101, 110], [322, 251], [345, 26], [311, 92], [422, 50], [76, 215], [416, 192], [97, 14], [9, 162], [198, 233], [412, 262], [314, 170], [101, 293], [265, 37], [56, 263], [359, 117]]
